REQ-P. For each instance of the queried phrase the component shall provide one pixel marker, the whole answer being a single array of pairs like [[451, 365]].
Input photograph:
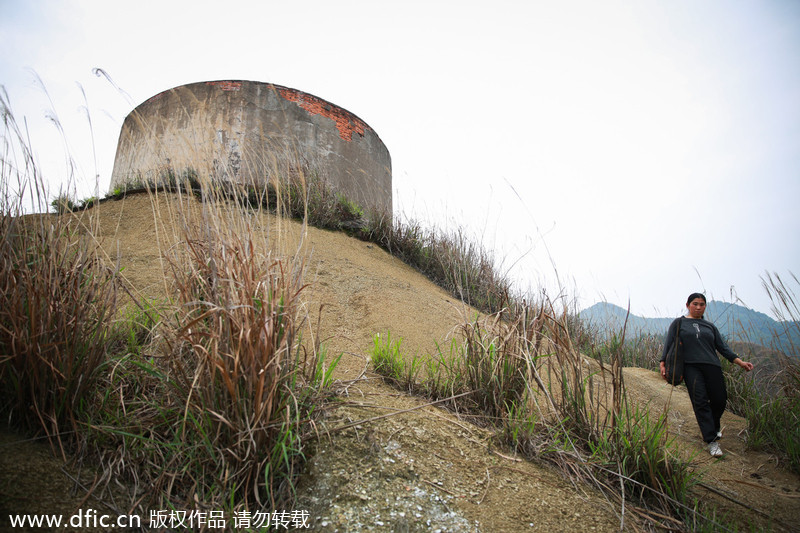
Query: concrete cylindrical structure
[[246, 132]]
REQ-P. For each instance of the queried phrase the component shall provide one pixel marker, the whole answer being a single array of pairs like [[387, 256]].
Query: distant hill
[[737, 323]]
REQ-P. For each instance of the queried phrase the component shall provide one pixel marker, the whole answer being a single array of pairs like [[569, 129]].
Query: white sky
[[634, 149]]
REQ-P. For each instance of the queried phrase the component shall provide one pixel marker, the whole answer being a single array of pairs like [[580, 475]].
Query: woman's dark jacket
[[700, 342]]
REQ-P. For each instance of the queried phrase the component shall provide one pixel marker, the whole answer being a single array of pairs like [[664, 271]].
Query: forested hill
[[737, 323]]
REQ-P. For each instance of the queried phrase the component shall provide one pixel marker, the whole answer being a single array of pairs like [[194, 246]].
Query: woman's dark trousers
[[706, 386]]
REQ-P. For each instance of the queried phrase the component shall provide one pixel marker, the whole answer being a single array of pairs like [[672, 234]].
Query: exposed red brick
[[346, 122]]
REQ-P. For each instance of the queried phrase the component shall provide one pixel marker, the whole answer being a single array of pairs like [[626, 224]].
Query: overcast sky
[[626, 150]]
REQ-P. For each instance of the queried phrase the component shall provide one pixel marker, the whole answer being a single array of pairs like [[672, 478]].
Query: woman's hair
[[695, 295]]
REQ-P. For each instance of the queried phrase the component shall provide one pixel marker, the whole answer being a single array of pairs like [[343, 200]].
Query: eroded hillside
[[387, 461]]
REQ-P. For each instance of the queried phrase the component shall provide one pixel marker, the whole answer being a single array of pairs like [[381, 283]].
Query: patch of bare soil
[[402, 465], [34, 481]]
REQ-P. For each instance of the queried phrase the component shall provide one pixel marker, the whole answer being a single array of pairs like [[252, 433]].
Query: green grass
[[388, 361], [643, 454]]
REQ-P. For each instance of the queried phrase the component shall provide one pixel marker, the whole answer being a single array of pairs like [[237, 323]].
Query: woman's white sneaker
[[714, 449]]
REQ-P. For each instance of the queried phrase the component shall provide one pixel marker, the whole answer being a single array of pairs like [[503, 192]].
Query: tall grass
[[240, 318], [772, 410], [57, 299], [451, 259], [219, 405]]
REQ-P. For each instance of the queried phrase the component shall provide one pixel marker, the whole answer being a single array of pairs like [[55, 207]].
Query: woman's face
[[697, 308]]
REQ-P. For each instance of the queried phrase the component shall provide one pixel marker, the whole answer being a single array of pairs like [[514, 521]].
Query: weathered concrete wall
[[245, 132]]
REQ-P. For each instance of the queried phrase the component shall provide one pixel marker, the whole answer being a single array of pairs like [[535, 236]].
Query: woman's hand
[[663, 368], [744, 364]]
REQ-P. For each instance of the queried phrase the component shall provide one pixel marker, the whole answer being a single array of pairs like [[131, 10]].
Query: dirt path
[[741, 475], [424, 469]]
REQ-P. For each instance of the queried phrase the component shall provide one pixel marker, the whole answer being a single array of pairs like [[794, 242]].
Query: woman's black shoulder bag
[[674, 361]]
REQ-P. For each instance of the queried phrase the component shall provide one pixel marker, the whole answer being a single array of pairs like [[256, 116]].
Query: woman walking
[[700, 341]]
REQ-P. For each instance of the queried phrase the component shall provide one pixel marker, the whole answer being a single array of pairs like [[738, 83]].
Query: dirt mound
[[424, 469]]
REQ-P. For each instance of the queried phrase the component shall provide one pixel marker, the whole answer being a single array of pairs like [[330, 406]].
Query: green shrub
[[63, 204], [88, 203]]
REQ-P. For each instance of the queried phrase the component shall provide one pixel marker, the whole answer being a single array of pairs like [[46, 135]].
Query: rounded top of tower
[[247, 131]]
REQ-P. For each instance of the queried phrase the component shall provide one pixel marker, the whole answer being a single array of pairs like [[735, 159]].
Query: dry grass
[[219, 405], [56, 301]]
